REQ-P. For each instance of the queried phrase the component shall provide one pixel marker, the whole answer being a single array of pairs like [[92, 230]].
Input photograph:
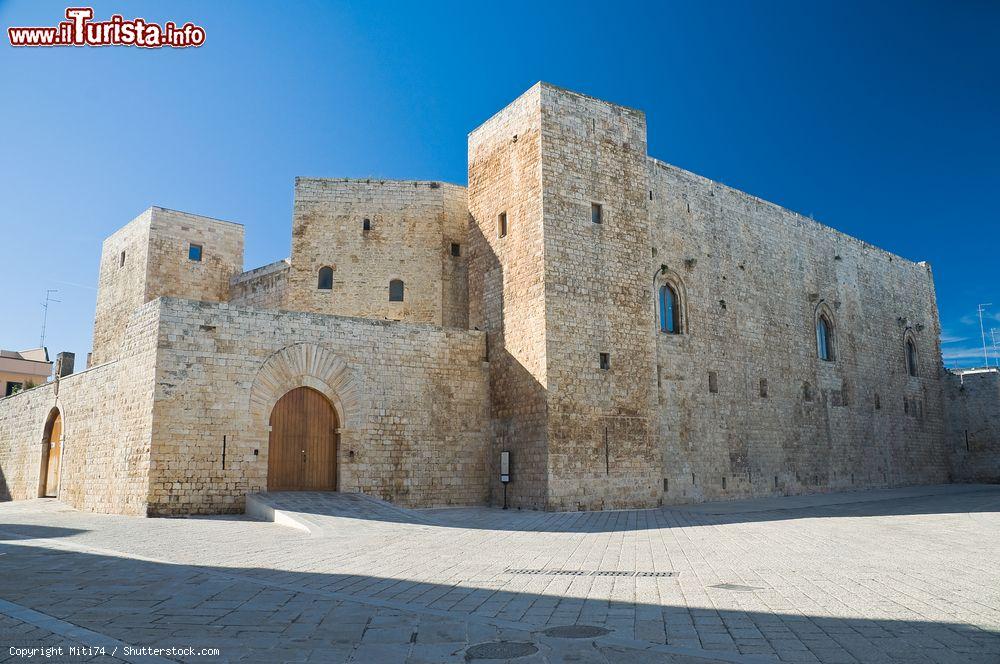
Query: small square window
[[596, 213], [456, 249], [366, 225], [502, 225], [194, 252], [605, 361], [121, 259]]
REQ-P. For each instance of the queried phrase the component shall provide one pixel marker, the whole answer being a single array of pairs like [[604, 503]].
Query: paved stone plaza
[[903, 575]]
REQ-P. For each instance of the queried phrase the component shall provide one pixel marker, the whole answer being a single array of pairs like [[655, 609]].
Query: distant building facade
[[631, 333], [20, 370]]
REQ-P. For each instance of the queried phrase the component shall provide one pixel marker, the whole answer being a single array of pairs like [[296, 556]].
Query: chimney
[[64, 364]]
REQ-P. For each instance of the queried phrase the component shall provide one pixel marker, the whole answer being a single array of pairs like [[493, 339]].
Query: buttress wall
[[507, 291]]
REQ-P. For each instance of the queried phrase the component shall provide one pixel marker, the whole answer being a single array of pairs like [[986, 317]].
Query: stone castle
[[631, 333]]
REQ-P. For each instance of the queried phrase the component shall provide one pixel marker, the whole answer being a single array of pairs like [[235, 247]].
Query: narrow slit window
[[597, 213], [502, 225], [194, 252], [605, 360], [366, 225], [121, 259], [713, 382], [396, 290]]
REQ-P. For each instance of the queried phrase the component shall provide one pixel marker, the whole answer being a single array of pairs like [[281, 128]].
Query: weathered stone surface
[[753, 277], [411, 227], [411, 402], [972, 402]]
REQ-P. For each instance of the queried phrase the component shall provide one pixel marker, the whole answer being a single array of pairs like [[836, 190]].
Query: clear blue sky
[[879, 119]]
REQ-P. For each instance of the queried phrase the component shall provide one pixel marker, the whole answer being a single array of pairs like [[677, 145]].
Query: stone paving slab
[[903, 577]]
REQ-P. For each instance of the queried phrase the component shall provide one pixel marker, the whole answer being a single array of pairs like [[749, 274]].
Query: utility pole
[[982, 330], [45, 313]]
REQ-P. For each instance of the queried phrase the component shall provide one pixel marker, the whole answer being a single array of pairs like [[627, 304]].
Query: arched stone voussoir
[[306, 365]]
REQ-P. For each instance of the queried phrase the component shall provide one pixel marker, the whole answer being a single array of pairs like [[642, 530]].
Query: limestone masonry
[[631, 333]]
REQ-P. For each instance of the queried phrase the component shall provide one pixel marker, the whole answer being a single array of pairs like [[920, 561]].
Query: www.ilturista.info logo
[[79, 30]]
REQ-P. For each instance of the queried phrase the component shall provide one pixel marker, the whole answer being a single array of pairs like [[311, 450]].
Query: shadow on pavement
[[323, 510], [262, 615]]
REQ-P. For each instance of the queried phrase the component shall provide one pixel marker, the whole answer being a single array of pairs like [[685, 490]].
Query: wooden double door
[[302, 444]]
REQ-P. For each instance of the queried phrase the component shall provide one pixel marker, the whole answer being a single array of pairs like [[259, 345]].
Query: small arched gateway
[[302, 443], [51, 455]]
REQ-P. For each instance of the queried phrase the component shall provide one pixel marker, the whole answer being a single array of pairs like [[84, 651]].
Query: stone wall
[[455, 268], [107, 417], [172, 273], [263, 288], [752, 277], [411, 399], [972, 402], [507, 290], [412, 226], [121, 285]]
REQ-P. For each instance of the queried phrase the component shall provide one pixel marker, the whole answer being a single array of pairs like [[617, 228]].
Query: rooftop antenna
[[45, 314], [995, 335], [982, 330]]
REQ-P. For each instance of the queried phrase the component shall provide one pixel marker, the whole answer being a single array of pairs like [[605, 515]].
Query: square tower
[[559, 254], [161, 253]]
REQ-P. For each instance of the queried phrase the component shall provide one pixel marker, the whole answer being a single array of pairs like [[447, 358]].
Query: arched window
[[670, 310], [396, 290], [911, 357], [824, 338], [325, 281]]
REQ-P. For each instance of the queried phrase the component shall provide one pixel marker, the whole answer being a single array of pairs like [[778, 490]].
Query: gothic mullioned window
[[670, 314], [396, 290], [824, 338], [325, 281]]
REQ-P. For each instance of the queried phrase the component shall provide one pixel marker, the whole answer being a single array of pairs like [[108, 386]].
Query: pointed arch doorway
[[302, 443], [52, 455]]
